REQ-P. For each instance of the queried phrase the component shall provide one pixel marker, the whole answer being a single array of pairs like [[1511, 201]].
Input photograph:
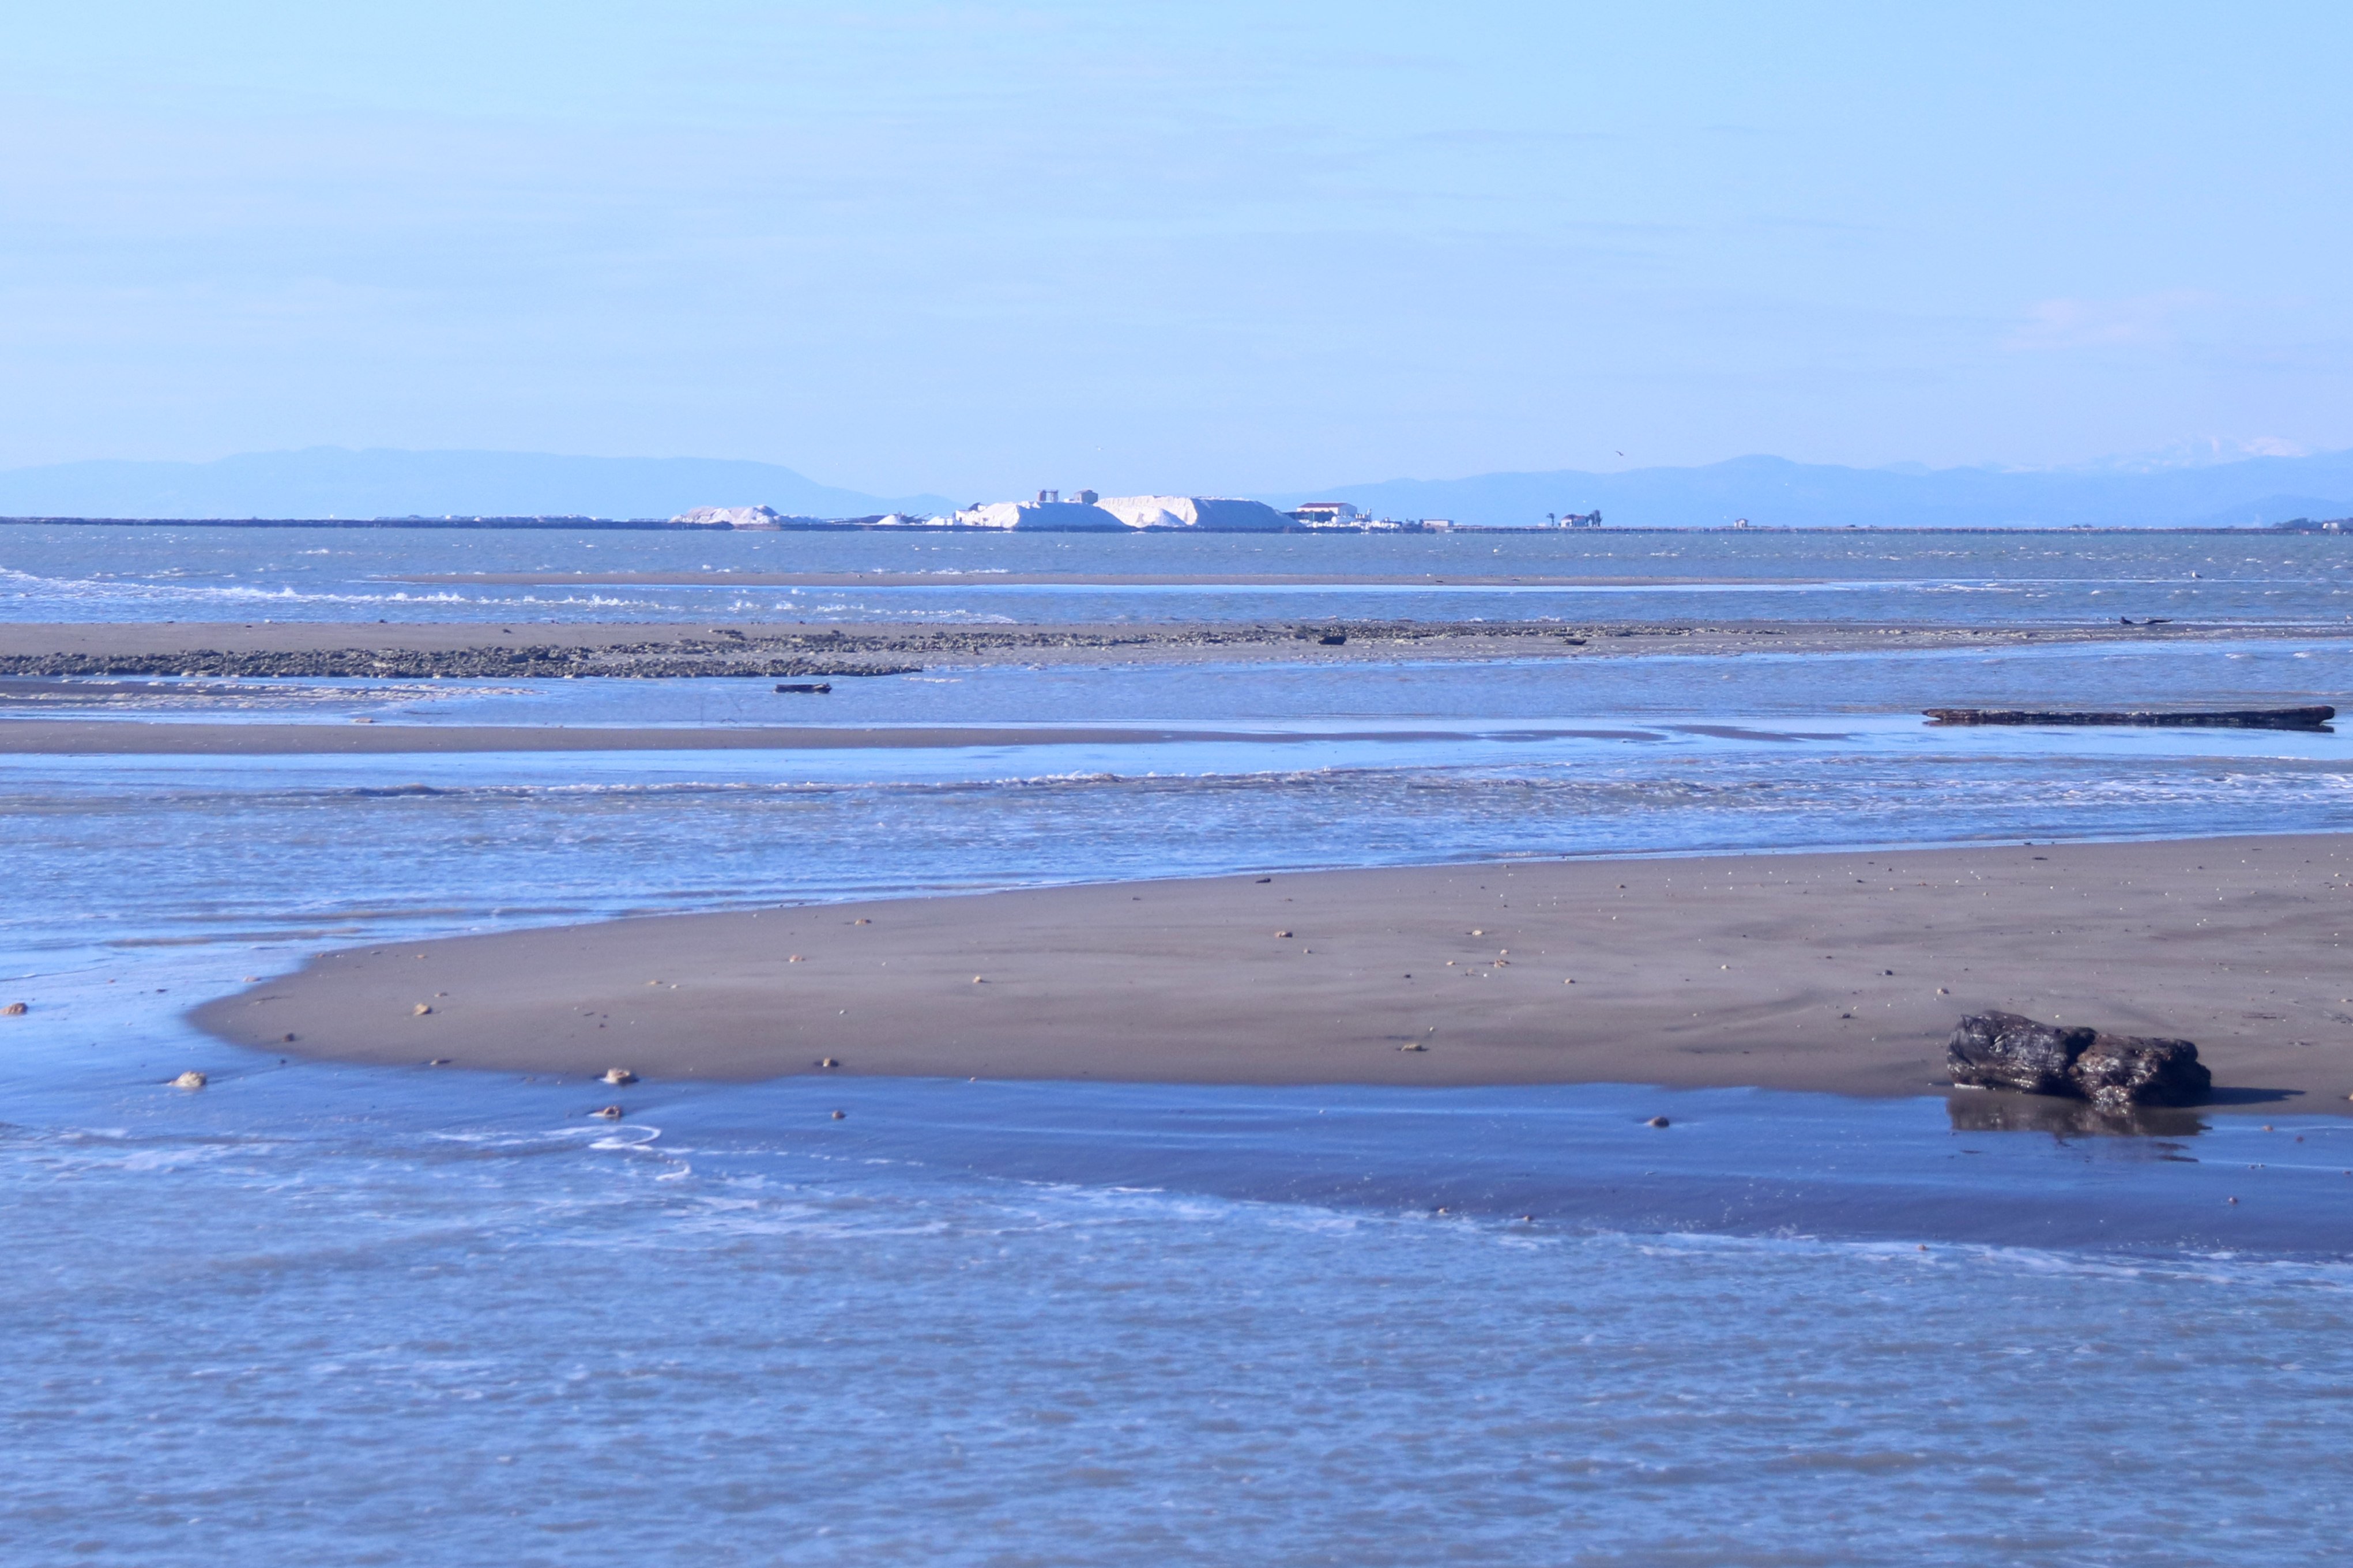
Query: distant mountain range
[[1776, 492], [332, 481]]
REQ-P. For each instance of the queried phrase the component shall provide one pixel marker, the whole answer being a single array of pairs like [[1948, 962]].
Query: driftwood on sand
[[2212, 719]]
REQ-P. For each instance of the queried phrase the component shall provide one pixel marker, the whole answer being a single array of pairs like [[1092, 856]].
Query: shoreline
[[952, 578], [244, 738], [1838, 972], [795, 649]]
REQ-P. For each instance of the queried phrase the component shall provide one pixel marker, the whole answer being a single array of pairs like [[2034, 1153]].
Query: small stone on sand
[[190, 1079], [840, 1115], [422, 1008], [828, 1061], [1282, 933], [620, 1075], [1658, 1121]]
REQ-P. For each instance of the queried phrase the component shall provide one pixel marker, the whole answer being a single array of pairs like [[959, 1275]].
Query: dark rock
[[2003, 1050], [2117, 1070]]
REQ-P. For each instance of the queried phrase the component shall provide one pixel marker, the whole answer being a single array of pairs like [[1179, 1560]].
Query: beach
[[1114, 908], [103, 737], [757, 646], [1840, 972], [1078, 786]]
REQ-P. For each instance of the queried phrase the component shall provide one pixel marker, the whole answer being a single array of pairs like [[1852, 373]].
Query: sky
[[1199, 246]]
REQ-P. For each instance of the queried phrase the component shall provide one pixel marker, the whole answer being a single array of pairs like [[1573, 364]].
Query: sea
[[327, 1314]]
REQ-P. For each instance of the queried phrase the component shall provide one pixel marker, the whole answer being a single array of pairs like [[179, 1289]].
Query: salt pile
[[1211, 514]]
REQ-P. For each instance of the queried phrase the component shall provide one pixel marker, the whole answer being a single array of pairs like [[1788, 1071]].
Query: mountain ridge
[[372, 482], [1779, 492], [384, 482]]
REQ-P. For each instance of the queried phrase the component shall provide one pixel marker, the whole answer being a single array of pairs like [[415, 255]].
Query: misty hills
[[1776, 492], [330, 481], [335, 481]]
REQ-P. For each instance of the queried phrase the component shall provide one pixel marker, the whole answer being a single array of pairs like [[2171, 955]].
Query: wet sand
[[541, 650], [129, 738], [953, 579], [1830, 971]]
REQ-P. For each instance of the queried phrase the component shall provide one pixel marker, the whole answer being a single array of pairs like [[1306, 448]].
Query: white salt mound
[[733, 516], [1209, 514], [1047, 517]]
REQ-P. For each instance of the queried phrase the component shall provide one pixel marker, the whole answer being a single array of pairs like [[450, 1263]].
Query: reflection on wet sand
[[1991, 1112]]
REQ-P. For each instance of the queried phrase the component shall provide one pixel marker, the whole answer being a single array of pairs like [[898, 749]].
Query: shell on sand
[[190, 1079], [620, 1075]]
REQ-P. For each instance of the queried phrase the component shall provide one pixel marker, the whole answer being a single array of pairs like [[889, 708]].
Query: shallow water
[[73, 573], [340, 1318], [1590, 687], [327, 1314]]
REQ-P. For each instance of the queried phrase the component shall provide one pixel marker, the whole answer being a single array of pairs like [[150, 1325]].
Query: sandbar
[[1840, 972], [753, 647], [984, 579], [130, 738]]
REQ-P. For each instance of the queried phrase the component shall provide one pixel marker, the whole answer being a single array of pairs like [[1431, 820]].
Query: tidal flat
[[1155, 1242]]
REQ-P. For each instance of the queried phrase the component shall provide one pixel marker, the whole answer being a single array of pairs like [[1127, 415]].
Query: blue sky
[[974, 249]]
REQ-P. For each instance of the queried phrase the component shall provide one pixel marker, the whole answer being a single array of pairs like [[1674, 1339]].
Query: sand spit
[[795, 649], [952, 579], [1843, 972], [365, 737]]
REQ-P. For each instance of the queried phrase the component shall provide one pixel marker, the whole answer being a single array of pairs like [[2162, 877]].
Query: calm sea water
[[81, 572], [318, 1314]]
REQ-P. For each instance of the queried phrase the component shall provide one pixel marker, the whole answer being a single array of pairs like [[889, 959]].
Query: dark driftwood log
[[2216, 719], [2003, 1050]]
